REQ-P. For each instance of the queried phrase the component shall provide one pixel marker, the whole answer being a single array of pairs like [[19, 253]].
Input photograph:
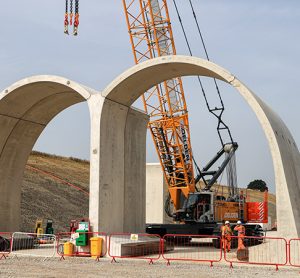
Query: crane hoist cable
[[231, 167], [71, 18], [217, 111]]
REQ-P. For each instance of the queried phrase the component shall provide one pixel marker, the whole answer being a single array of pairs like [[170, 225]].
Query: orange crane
[[151, 36]]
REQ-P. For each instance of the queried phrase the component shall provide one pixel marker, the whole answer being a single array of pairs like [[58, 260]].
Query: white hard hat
[[227, 222], [239, 222]]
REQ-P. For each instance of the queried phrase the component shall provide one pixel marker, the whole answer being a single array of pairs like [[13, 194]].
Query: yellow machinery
[[39, 227]]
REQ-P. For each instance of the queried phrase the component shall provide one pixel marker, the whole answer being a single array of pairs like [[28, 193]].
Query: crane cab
[[198, 207]]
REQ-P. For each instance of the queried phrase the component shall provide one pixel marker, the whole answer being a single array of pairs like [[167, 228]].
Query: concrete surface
[[117, 174], [127, 87], [117, 171], [156, 194], [121, 246], [117, 190]]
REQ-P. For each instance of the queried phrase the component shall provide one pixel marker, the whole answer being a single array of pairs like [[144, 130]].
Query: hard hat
[[239, 222], [227, 222]]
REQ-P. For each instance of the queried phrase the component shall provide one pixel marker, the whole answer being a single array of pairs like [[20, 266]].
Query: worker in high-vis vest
[[241, 234], [226, 236]]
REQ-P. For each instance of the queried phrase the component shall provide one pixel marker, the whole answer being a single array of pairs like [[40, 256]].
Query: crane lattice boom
[[151, 36]]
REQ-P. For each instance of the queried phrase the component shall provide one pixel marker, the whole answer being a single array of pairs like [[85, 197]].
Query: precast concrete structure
[[126, 88], [117, 173], [118, 138], [156, 194]]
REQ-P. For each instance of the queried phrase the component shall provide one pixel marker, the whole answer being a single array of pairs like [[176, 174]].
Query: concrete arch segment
[[117, 171], [118, 167], [126, 88], [26, 107]]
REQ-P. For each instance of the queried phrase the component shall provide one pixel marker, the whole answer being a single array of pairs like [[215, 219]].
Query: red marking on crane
[[57, 178]]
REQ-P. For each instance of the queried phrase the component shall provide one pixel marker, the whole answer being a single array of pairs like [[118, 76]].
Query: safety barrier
[[258, 250], [137, 246], [195, 248], [82, 244], [32, 244], [294, 252], [5, 245]]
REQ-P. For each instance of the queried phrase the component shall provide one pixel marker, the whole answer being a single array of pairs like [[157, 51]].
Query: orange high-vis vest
[[240, 229], [226, 231]]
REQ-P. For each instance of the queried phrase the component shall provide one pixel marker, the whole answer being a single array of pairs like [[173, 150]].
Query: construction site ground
[[87, 267]]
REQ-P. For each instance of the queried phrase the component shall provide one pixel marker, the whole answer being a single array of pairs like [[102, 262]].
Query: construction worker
[[226, 236], [241, 234]]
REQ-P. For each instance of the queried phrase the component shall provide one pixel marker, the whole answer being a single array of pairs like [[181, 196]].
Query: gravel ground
[[87, 267]]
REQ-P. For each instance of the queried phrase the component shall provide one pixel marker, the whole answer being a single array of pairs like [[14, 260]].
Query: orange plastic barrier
[[196, 248], [294, 252], [259, 251]]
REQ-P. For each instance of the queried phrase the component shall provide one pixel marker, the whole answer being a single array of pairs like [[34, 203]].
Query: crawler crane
[[197, 209], [151, 36]]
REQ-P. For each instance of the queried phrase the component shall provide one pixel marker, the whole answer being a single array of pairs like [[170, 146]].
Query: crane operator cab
[[198, 208]]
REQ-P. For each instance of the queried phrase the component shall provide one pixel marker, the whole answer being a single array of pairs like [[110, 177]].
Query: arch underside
[[127, 87], [26, 108]]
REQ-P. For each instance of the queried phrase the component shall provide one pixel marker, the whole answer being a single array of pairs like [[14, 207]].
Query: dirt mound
[[44, 196]]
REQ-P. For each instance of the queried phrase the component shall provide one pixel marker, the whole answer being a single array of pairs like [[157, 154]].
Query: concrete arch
[[126, 88], [26, 107], [117, 166]]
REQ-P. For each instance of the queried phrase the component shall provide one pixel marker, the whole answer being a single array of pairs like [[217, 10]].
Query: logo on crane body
[[185, 144]]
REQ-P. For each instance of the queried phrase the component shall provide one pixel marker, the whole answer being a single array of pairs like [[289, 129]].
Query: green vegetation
[[258, 185]]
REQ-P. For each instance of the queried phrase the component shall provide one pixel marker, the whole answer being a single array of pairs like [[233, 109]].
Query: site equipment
[[151, 36], [49, 228], [39, 227]]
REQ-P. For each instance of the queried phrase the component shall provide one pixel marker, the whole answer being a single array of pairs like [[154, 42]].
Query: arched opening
[[126, 88], [26, 108]]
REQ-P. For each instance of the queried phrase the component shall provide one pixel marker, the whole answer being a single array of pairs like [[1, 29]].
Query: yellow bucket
[[68, 249], [96, 247]]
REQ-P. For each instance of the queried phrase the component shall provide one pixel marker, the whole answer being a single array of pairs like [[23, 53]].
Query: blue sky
[[258, 41]]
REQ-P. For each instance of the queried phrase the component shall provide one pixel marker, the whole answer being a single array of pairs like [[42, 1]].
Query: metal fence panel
[[196, 248], [259, 251], [294, 252], [32, 244]]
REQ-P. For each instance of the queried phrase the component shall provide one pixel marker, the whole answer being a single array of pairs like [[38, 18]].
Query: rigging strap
[[76, 21], [66, 22], [71, 12]]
